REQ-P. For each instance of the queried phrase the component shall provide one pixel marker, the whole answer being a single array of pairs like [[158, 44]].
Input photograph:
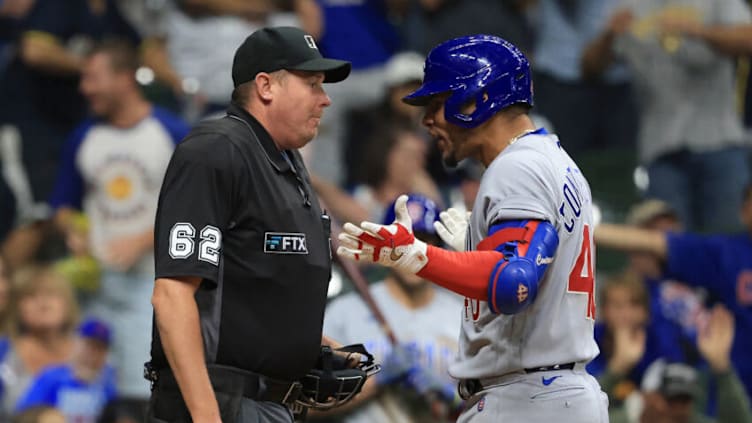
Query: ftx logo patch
[[285, 243]]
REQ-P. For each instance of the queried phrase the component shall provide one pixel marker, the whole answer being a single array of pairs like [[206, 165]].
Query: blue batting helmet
[[483, 70], [422, 210]]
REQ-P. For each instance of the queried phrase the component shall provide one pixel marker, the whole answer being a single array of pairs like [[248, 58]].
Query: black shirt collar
[[270, 148]]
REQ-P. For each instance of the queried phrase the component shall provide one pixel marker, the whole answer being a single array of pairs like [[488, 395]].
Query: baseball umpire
[[242, 247], [529, 311]]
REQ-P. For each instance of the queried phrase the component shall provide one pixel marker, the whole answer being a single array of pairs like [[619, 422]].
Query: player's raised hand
[[452, 228], [391, 245]]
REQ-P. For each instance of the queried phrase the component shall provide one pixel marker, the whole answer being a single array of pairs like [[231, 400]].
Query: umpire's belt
[[469, 387], [232, 380]]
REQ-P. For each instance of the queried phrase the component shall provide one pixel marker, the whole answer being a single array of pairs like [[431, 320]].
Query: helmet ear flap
[[469, 110]]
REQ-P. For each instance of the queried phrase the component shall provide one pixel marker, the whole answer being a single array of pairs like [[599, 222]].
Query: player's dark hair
[[518, 109], [122, 53]]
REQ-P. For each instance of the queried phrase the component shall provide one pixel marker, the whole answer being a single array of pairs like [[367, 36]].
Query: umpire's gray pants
[[248, 411], [561, 396], [263, 412]]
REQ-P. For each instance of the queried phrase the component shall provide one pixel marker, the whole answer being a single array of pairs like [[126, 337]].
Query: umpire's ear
[[263, 86]]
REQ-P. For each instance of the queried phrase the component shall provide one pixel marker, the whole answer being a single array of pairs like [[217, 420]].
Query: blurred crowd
[[652, 97]]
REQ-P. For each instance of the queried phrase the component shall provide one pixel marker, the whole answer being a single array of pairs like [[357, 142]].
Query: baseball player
[[527, 274]]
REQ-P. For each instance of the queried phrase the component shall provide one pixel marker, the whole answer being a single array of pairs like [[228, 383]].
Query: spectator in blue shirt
[[82, 388], [721, 264]]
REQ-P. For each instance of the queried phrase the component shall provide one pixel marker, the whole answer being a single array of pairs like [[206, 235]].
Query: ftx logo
[[285, 243]]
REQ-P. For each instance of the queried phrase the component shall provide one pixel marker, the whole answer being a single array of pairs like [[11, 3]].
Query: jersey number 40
[[581, 279]]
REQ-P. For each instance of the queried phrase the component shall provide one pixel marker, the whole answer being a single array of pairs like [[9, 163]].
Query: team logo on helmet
[[521, 293]]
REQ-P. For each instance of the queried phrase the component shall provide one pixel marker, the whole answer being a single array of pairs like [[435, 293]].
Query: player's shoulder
[[532, 156]]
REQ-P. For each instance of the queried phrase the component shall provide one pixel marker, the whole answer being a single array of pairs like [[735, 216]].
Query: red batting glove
[[389, 245]]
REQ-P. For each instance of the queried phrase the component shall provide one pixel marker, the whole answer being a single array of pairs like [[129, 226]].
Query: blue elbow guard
[[514, 280]]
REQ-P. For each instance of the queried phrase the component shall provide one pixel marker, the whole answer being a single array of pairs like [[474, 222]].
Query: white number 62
[[182, 243]]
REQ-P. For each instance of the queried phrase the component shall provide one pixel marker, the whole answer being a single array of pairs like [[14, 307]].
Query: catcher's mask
[[332, 382]]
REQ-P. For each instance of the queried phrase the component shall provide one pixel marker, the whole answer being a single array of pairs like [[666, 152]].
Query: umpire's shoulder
[[207, 144]]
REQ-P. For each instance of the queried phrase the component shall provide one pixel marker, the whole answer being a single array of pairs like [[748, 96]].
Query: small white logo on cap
[[310, 42]]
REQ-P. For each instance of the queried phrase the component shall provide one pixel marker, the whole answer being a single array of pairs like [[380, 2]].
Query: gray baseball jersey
[[534, 178], [432, 330]]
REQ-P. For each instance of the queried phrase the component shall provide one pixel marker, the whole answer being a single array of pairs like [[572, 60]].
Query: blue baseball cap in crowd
[[422, 210], [95, 329]]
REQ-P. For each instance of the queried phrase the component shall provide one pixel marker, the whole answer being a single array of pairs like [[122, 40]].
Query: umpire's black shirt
[[242, 215]]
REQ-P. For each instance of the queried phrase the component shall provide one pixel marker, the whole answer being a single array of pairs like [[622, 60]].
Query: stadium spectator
[[429, 22], [670, 392], [39, 90], [425, 327], [396, 164], [44, 314], [40, 101], [587, 112], [627, 337], [193, 45], [81, 388], [404, 73], [675, 308], [11, 14], [721, 264], [112, 169], [691, 137], [361, 32], [393, 163]]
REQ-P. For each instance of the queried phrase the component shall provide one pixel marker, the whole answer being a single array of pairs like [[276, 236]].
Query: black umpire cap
[[284, 47]]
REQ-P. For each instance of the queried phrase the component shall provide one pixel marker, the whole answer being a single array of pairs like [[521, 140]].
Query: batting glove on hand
[[389, 245], [452, 228]]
